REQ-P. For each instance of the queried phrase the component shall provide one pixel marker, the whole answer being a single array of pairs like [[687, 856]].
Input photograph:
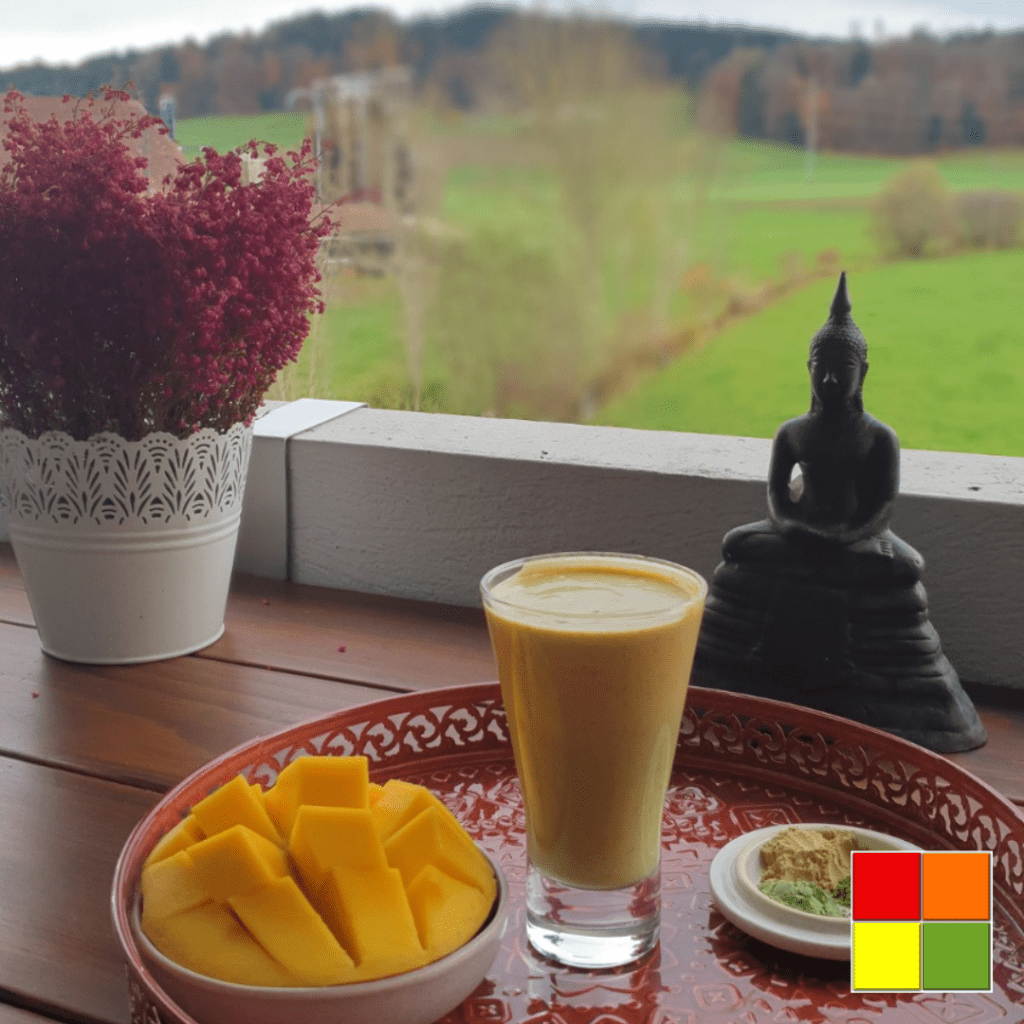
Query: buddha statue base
[[863, 648]]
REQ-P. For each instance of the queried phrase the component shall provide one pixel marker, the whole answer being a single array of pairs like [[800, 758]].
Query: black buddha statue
[[821, 603]]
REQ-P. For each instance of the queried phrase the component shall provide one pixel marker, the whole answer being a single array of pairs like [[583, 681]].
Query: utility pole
[[812, 126]]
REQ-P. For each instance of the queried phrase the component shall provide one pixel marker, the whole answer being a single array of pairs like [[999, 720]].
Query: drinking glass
[[594, 654]]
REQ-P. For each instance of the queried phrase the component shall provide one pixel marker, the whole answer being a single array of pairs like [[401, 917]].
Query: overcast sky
[[67, 31]]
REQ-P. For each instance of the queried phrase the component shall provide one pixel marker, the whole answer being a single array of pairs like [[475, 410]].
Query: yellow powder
[[821, 856]]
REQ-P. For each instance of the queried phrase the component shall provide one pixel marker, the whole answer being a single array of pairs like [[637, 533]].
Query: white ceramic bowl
[[735, 879], [421, 996]]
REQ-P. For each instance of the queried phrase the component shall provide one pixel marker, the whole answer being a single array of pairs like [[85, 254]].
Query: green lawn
[[767, 172], [285, 130], [947, 366]]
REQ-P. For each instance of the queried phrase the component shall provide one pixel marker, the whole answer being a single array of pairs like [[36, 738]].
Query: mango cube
[[329, 837], [323, 879], [282, 921], [235, 804], [235, 861], [448, 913], [322, 781], [369, 912], [170, 886], [435, 837], [208, 939], [181, 837], [398, 803]]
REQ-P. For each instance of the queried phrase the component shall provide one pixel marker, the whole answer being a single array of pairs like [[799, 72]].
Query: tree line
[[904, 96], [252, 72], [910, 95]]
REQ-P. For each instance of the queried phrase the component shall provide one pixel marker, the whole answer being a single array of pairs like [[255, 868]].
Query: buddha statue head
[[838, 358]]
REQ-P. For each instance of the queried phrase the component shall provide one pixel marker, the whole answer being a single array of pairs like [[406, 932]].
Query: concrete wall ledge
[[421, 505]]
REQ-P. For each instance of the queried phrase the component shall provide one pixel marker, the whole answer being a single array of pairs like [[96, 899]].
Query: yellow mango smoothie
[[594, 656]]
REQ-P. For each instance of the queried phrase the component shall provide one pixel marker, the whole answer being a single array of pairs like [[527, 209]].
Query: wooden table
[[86, 751]]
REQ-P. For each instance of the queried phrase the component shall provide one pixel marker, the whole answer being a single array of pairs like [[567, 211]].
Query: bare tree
[[613, 137], [419, 242]]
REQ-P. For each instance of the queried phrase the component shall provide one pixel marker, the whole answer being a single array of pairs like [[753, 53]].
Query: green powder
[[841, 893], [810, 898]]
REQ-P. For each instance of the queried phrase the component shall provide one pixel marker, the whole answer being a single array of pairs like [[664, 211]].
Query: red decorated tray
[[741, 763]]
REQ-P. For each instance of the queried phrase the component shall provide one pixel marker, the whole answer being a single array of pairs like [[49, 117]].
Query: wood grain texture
[[14, 605], [153, 724], [14, 1015], [1000, 762], [61, 838], [148, 725], [389, 642]]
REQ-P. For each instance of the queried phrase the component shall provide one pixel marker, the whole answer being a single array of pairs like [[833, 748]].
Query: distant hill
[[233, 74], [912, 95]]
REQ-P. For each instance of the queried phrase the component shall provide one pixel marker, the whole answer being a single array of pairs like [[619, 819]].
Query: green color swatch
[[957, 955]]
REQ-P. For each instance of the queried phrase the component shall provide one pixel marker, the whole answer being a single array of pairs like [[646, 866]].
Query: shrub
[[508, 328], [137, 311], [913, 215], [990, 219]]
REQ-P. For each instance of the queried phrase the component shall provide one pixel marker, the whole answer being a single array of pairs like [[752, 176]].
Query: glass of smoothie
[[594, 654]]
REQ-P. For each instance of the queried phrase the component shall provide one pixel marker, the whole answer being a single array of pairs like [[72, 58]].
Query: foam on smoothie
[[595, 597]]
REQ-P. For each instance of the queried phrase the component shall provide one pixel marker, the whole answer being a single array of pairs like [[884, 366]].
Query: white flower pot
[[126, 547]]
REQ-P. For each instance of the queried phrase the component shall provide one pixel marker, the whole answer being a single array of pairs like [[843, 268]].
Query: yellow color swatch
[[886, 956], [956, 886]]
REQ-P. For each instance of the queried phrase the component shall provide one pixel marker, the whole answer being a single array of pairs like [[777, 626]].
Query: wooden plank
[[1000, 762], [14, 605], [15, 1015], [62, 835], [149, 725], [389, 642], [407, 645], [182, 714]]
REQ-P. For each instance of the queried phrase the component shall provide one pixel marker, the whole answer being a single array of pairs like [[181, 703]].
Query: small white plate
[[735, 877]]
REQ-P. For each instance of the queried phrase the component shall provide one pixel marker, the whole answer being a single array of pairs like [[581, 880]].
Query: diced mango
[[237, 860], [322, 781], [170, 886], [272, 805], [282, 921], [181, 837], [435, 837], [328, 837], [399, 803], [369, 912], [385, 879], [209, 939], [235, 804], [447, 912]]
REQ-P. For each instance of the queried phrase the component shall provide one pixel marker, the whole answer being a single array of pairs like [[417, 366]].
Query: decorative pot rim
[[108, 483]]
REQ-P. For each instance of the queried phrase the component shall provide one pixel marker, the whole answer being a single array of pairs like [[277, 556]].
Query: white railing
[[419, 505]]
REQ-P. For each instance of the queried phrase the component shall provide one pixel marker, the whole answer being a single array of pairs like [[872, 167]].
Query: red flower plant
[[135, 310]]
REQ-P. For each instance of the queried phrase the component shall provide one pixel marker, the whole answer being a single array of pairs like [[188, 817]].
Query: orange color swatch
[[956, 886]]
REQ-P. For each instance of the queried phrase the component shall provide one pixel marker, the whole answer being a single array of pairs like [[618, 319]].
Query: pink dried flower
[[133, 310]]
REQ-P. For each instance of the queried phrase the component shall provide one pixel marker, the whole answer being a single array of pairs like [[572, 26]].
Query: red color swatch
[[887, 885]]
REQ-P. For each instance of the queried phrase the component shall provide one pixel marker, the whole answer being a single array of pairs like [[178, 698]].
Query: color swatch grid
[[921, 921]]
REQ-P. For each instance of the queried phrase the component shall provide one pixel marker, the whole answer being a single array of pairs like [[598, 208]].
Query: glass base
[[592, 928]]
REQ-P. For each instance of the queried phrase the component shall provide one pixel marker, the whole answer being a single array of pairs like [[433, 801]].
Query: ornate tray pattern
[[741, 763]]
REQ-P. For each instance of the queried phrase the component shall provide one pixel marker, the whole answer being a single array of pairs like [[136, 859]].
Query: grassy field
[[764, 172], [947, 370], [284, 130]]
